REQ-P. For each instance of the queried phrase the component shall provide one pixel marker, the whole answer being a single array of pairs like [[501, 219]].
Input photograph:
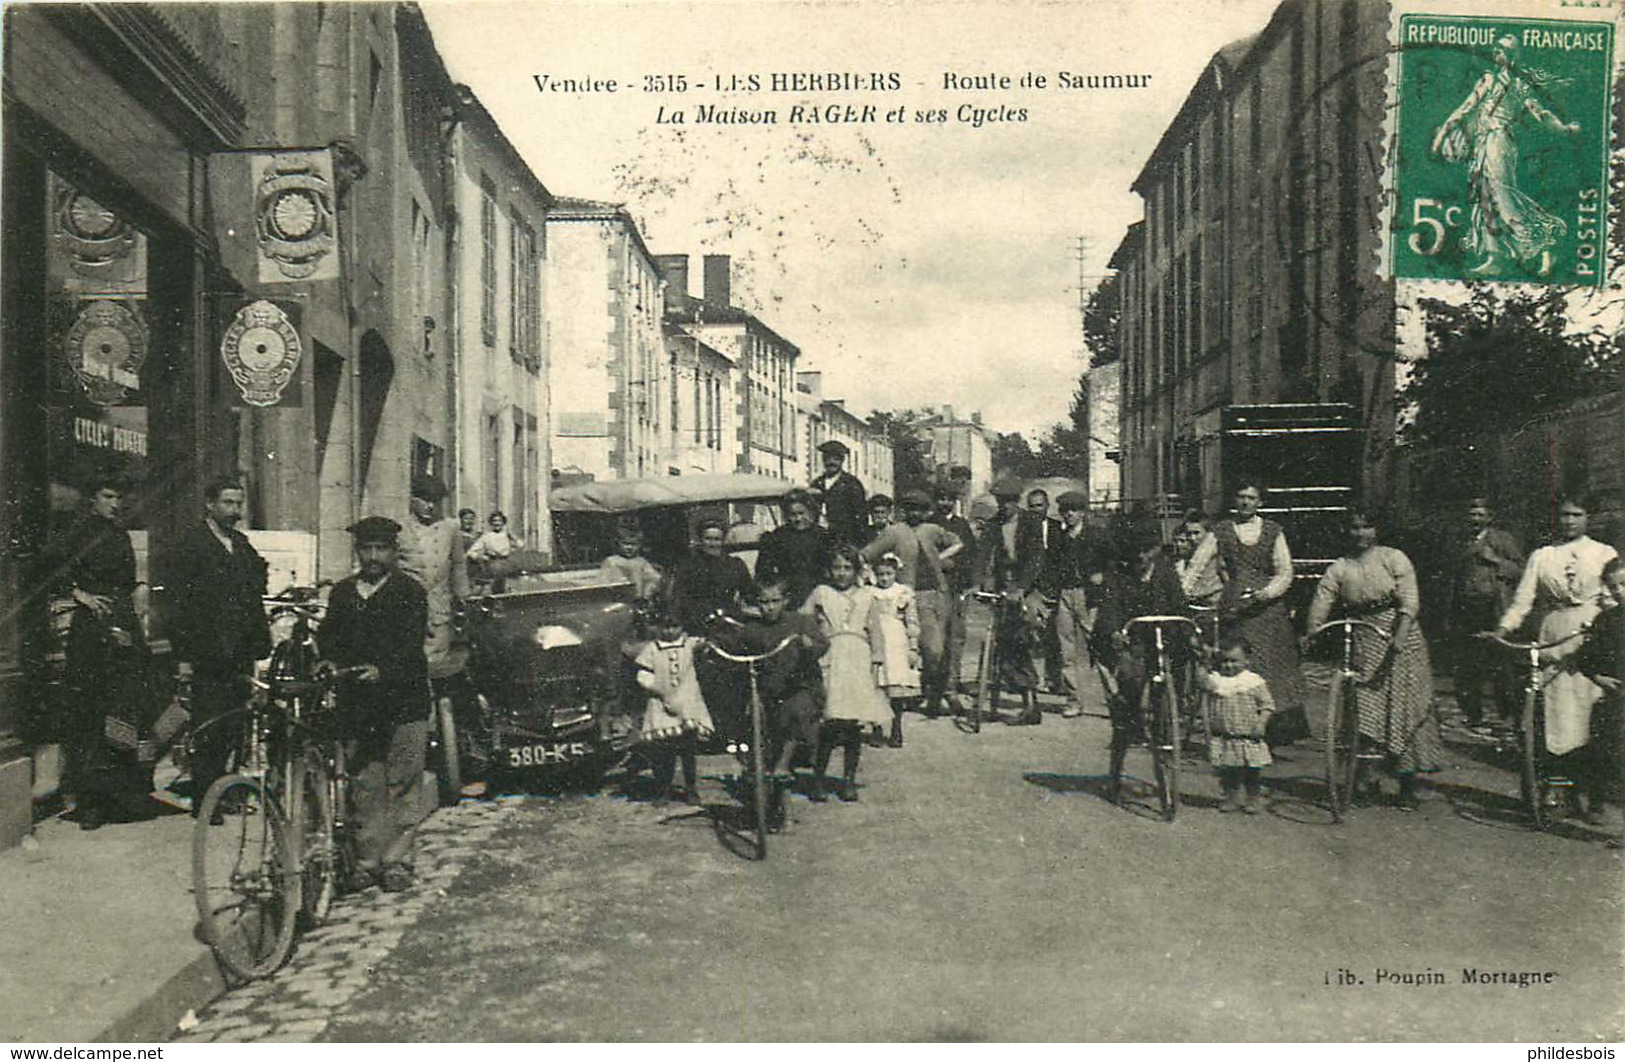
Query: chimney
[[976, 418], [810, 383], [948, 415], [716, 280], [674, 271]]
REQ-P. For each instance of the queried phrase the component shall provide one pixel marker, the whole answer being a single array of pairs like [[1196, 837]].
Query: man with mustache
[[217, 626]]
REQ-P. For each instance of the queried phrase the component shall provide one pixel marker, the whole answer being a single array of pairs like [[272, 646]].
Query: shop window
[[99, 325]]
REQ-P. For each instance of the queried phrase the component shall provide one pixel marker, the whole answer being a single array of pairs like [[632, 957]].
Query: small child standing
[[854, 702], [1239, 706], [897, 638], [675, 717]]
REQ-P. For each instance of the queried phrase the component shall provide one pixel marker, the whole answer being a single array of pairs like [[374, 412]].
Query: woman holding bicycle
[[1394, 703], [1562, 591]]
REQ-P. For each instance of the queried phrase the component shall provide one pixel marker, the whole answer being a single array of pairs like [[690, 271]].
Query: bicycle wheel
[[758, 774], [244, 877], [1161, 715], [986, 681], [1532, 736], [312, 816], [449, 767], [1342, 745]]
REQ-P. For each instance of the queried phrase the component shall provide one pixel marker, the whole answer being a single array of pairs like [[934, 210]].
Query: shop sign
[[294, 218], [261, 349], [104, 348]]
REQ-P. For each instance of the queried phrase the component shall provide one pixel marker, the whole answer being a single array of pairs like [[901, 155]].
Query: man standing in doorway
[[430, 551], [841, 495], [217, 625]]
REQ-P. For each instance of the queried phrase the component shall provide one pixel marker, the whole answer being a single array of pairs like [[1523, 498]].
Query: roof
[[632, 495], [1128, 247], [685, 340], [470, 107], [700, 312], [568, 208], [1213, 83]]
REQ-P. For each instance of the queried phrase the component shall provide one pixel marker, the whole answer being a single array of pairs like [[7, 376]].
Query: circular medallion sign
[[261, 350], [105, 348]]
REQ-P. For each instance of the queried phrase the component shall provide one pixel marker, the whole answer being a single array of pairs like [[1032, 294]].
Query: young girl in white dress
[[1239, 706], [855, 705], [897, 632], [675, 717]]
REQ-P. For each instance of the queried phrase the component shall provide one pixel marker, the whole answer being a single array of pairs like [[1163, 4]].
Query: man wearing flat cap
[[1011, 564], [375, 622], [842, 496], [1074, 572], [923, 549], [431, 552]]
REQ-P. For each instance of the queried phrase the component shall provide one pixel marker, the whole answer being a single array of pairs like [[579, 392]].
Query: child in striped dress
[[1239, 706], [675, 718], [897, 637]]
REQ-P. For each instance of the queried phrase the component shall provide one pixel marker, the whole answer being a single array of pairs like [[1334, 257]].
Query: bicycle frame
[[1534, 781], [758, 748], [1160, 696], [1342, 742]]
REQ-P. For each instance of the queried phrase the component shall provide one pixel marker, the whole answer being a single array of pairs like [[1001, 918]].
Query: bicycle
[[1159, 711], [1343, 754], [985, 701], [1194, 702], [250, 880], [1536, 786], [758, 773]]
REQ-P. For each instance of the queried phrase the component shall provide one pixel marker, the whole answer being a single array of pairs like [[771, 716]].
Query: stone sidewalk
[[332, 963]]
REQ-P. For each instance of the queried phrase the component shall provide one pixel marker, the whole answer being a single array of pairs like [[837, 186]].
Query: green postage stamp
[[1501, 163]]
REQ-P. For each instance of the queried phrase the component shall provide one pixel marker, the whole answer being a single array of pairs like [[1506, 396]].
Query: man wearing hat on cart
[[1011, 564], [841, 495], [375, 622], [430, 551]]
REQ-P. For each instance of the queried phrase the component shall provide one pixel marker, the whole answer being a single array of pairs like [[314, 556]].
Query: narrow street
[[981, 890]]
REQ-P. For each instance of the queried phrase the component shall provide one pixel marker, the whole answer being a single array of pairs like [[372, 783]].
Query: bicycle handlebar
[[1318, 631], [752, 658], [1494, 636], [1157, 620]]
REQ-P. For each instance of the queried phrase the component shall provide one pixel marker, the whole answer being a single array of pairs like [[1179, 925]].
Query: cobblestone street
[[335, 961]]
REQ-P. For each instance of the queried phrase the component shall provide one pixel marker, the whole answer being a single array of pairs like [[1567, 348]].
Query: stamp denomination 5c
[[1501, 169]]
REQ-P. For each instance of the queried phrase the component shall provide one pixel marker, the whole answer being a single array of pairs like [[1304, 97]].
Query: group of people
[[391, 622]]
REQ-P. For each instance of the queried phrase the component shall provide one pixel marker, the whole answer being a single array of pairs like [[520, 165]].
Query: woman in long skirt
[[1562, 590], [1256, 567], [1394, 701]]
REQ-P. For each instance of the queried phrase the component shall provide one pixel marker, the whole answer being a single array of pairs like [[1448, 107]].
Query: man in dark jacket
[[375, 621], [1011, 564], [797, 552], [1074, 572], [841, 495], [216, 624], [1488, 565]]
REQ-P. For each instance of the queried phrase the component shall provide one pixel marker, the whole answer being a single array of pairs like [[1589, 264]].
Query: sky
[[915, 263]]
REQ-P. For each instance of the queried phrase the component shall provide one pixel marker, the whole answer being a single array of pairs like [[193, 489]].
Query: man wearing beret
[[841, 495], [375, 622], [431, 552]]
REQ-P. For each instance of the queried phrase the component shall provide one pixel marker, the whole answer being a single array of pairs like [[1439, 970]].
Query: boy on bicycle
[[1149, 587], [375, 621]]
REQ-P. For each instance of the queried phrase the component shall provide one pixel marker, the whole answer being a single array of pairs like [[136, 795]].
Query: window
[[488, 263]]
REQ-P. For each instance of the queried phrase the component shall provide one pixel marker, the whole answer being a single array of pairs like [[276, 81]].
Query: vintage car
[[547, 697]]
